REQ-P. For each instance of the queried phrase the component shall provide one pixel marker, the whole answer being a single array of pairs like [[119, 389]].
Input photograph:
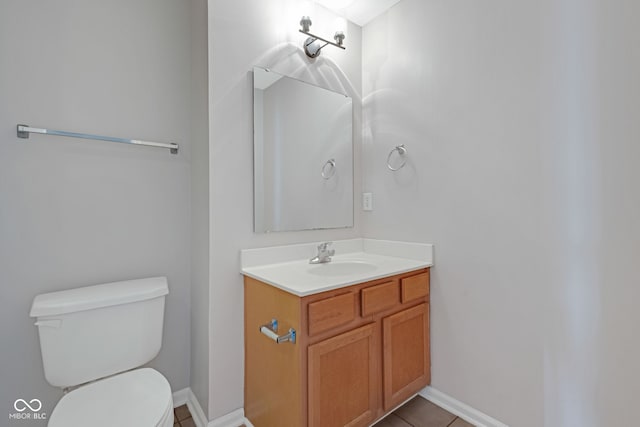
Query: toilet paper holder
[[271, 331]]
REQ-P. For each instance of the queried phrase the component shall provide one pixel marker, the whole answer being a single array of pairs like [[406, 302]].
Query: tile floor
[[182, 417], [417, 412]]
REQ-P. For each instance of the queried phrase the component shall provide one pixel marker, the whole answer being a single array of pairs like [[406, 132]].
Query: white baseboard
[[180, 397], [233, 419], [460, 409], [186, 396], [237, 419]]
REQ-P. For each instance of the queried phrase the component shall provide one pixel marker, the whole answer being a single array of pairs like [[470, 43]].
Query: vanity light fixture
[[314, 44]]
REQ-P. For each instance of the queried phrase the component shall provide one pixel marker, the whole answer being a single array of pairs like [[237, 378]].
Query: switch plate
[[367, 201]]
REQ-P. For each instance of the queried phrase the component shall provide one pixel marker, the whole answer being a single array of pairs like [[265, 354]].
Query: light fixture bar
[[320, 38]]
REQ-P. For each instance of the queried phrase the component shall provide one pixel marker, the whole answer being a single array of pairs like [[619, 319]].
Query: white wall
[[592, 377], [199, 203], [242, 34], [77, 212], [463, 85], [521, 121]]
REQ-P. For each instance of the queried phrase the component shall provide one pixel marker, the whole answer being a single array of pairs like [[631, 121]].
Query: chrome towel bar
[[271, 331], [23, 131]]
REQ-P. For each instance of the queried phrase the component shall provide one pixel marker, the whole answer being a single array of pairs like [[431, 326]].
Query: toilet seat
[[140, 398]]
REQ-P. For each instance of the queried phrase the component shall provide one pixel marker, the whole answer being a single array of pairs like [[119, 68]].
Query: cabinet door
[[406, 360], [343, 382]]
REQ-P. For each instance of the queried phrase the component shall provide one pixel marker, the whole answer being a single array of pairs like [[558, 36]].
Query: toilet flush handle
[[49, 323]]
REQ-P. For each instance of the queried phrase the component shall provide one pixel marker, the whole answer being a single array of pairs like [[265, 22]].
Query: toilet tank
[[96, 331]]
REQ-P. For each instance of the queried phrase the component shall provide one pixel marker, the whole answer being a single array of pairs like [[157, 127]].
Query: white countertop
[[356, 261]]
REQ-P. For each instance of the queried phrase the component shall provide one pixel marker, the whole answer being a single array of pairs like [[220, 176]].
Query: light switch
[[367, 201]]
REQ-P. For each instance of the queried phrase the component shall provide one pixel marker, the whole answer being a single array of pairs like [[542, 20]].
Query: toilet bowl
[[93, 341], [141, 397]]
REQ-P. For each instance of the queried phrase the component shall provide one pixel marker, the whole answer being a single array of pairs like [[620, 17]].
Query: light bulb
[[305, 23], [340, 24], [306, 8]]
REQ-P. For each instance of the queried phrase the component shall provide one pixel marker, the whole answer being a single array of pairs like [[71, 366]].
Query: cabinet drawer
[[331, 312], [415, 287], [380, 297]]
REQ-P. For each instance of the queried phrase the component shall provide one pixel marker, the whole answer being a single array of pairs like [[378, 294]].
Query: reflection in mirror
[[303, 155]]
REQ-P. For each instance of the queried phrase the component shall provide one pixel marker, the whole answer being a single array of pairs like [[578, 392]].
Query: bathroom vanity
[[361, 346]]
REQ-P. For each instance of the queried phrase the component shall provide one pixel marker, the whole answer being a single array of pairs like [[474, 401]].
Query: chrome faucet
[[324, 254]]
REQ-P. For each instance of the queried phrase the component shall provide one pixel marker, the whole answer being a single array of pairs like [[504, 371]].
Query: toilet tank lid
[[97, 296]]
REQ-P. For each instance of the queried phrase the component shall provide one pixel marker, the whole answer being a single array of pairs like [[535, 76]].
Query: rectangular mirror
[[303, 155]]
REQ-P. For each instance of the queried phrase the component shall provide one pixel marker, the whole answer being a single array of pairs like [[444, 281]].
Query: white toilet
[[94, 337]]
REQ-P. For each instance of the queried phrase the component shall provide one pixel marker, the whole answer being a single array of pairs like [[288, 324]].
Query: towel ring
[[328, 169], [402, 151]]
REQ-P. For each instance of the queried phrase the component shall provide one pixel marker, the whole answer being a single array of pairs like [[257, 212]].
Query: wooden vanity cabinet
[[406, 361], [343, 374], [360, 351]]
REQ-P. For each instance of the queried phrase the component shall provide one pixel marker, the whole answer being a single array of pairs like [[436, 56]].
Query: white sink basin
[[341, 268]]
